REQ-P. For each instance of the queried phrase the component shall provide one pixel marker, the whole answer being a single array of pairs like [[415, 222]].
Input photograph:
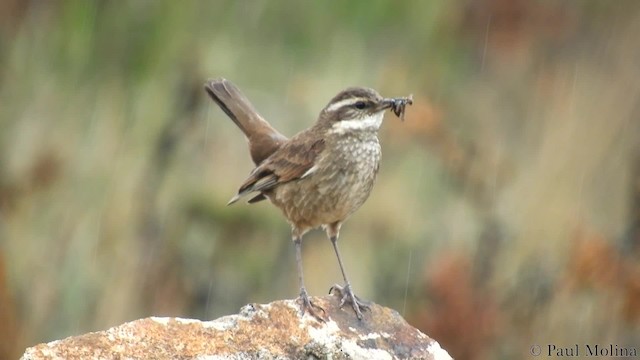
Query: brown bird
[[320, 176]]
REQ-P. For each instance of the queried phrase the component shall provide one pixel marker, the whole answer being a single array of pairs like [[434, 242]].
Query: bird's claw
[[347, 296], [310, 307]]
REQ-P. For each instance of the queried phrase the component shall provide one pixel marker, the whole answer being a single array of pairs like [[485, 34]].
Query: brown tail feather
[[263, 138]]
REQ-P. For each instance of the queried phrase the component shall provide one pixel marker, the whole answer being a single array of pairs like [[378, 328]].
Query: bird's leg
[[307, 305], [345, 292]]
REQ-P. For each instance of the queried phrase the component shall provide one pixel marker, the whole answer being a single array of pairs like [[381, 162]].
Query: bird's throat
[[368, 123]]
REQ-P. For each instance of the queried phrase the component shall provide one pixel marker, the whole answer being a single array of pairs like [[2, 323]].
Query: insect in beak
[[398, 105]]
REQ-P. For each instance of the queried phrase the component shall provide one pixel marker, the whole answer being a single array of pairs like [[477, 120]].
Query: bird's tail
[[264, 140]]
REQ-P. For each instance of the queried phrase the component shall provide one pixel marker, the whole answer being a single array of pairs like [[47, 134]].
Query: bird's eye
[[360, 105]]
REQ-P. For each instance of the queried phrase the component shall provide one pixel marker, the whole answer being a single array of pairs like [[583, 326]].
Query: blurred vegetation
[[507, 210]]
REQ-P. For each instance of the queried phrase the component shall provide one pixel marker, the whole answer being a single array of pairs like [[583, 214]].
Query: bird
[[318, 177]]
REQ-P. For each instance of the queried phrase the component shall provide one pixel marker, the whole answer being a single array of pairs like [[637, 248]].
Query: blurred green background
[[506, 212]]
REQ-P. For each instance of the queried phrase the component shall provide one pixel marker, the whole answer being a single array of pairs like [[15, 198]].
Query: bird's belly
[[332, 193]]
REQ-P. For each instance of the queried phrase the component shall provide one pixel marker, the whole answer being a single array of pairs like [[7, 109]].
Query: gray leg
[[307, 305], [346, 291]]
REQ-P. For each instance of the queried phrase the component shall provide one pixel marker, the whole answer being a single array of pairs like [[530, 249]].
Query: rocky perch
[[271, 331]]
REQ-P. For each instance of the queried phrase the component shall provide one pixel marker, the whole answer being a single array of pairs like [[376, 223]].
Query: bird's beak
[[387, 103], [397, 105]]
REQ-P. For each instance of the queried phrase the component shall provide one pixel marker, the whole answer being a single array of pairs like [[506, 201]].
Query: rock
[[270, 331]]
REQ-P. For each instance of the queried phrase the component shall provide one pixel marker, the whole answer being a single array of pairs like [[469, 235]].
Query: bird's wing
[[292, 161]]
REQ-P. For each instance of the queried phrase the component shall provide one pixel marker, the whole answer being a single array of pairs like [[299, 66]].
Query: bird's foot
[[347, 296], [310, 307]]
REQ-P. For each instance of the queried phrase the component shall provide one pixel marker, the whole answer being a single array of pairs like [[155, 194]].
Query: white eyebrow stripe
[[341, 103]]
